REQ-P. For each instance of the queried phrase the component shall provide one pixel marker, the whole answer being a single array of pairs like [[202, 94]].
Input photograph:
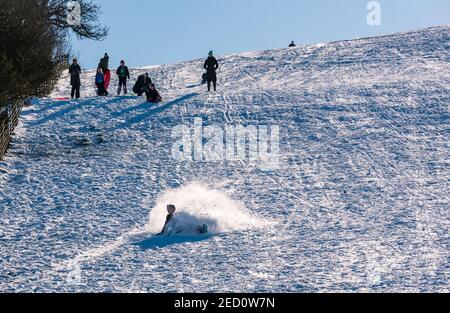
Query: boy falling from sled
[[171, 210]]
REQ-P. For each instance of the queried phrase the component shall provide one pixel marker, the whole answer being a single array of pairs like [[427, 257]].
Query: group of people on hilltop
[[143, 84]]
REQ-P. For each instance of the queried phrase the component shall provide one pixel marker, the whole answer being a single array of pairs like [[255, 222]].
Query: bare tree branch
[[89, 27]]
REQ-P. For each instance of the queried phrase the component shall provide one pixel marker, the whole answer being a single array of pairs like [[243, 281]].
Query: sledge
[[107, 79], [61, 99], [173, 230]]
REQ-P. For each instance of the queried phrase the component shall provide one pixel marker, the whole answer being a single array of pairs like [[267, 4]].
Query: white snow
[[360, 201]]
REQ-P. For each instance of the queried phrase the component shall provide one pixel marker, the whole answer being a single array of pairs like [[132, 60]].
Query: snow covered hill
[[359, 202]]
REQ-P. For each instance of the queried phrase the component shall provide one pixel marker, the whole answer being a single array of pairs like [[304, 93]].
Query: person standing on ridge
[[104, 63], [292, 44], [100, 83], [211, 65], [75, 81], [123, 74]]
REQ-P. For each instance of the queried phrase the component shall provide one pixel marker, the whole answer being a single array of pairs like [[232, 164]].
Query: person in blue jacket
[[100, 83]]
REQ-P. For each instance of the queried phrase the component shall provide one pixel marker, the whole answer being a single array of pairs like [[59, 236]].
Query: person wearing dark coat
[[153, 95], [211, 65], [75, 81], [171, 211], [104, 63], [292, 44], [142, 85], [123, 74]]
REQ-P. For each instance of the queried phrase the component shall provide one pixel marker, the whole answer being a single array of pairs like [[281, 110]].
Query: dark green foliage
[[33, 44]]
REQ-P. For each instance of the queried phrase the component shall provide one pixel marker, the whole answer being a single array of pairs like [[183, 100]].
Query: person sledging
[[203, 229], [171, 211]]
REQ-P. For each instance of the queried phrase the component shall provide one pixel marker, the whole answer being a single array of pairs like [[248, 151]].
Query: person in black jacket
[[75, 71], [123, 74], [104, 63], [171, 210], [142, 85], [153, 95], [292, 45], [147, 82], [211, 65]]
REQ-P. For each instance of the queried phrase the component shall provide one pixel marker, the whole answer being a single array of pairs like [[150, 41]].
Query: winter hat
[[210, 53]]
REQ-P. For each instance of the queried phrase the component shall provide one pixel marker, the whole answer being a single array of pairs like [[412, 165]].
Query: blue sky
[[147, 32]]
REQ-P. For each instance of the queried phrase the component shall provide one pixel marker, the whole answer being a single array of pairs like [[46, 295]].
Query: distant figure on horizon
[[211, 65], [75, 81], [123, 73], [292, 44]]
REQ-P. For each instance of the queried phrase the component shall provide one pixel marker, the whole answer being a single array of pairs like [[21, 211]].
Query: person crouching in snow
[[100, 83], [153, 95]]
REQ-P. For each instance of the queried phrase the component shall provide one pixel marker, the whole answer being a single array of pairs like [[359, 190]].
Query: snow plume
[[198, 204]]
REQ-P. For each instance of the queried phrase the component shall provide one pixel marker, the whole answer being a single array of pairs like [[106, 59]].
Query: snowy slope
[[360, 201]]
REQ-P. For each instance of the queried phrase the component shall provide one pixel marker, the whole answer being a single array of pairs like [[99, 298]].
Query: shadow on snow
[[163, 241], [140, 118]]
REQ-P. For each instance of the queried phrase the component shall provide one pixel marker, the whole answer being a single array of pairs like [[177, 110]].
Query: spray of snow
[[198, 204]]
